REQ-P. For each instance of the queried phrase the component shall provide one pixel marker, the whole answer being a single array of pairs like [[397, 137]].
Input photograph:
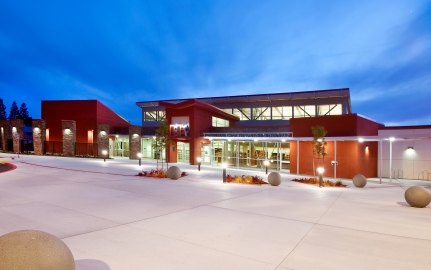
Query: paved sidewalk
[[112, 219]]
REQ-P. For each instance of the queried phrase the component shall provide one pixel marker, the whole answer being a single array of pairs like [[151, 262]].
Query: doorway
[[183, 152]]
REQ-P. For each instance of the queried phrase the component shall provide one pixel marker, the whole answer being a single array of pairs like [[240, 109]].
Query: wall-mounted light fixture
[[410, 148], [67, 131], [102, 133], [135, 135]]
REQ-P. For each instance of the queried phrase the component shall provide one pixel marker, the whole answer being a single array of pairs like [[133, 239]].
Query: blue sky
[[121, 52]]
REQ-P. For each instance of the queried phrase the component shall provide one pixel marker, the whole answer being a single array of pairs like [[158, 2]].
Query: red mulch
[[4, 167], [245, 179], [315, 182]]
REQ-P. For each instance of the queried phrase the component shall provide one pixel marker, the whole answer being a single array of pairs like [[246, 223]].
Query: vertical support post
[[335, 160], [381, 160], [297, 157], [390, 159]]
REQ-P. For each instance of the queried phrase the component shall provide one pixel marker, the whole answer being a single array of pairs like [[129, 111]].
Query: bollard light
[[224, 166], [104, 153], [139, 157], [320, 171], [266, 164], [199, 160]]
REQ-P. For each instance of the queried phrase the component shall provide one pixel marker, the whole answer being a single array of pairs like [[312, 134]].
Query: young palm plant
[[319, 150]]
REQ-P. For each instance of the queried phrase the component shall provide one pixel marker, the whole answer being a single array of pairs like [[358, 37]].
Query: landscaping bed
[[315, 182], [245, 179], [157, 173], [4, 167]]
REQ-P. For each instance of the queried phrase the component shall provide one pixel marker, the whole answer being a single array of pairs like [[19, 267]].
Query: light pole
[[266, 164], [320, 171], [224, 166], [199, 160], [139, 157], [104, 153]]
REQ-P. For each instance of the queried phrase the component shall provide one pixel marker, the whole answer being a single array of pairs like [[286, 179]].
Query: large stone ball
[[417, 197], [359, 181], [274, 179], [34, 250], [173, 172]]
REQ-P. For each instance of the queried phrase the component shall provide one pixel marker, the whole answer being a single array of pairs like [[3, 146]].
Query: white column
[[335, 159], [297, 157], [390, 160], [381, 160]]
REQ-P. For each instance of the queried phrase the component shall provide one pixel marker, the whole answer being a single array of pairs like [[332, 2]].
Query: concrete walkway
[[113, 220]]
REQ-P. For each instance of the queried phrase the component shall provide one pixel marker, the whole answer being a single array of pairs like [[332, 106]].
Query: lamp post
[[320, 171], [139, 157], [266, 164], [199, 160], [104, 153], [224, 166]]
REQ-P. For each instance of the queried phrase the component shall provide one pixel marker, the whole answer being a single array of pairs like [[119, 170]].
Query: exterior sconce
[[135, 135], [266, 164], [67, 131], [104, 153], [102, 133], [320, 171], [224, 166], [199, 160]]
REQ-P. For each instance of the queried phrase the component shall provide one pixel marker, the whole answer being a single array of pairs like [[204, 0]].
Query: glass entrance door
[[183, 152]]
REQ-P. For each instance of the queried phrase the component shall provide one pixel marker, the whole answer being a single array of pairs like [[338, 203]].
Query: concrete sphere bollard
[[173, 172], [359, 181], [30, 249], [417, 197], [274, 179]]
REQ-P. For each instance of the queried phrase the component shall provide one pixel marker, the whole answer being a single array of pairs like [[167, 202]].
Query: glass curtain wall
[[247, 154]]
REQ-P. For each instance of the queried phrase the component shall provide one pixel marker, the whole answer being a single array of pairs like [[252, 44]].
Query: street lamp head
[[199, 159], [266, 163], [139, 155], [104, 152], [224, 165], [320, 170]]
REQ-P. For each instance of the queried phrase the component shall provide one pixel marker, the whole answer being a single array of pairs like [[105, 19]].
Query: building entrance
[[121, 146], [183, 152]]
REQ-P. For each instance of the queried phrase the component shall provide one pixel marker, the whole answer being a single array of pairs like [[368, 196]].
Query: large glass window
[[154, 115], [218, 122], [304, 111], [330, 109], [228, 110], [281, 113], [242, 113], [262, 113]]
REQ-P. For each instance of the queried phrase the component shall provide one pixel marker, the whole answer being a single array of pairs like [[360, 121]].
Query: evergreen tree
[[14, 111], [2, 110], [23, 111]]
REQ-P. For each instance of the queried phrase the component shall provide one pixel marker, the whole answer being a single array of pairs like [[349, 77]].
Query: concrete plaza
[[114, 220]]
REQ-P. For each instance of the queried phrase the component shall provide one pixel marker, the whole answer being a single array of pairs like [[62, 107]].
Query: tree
[[161, 141], [14, 111], [2, 110], [319, 148], [23, 111]]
